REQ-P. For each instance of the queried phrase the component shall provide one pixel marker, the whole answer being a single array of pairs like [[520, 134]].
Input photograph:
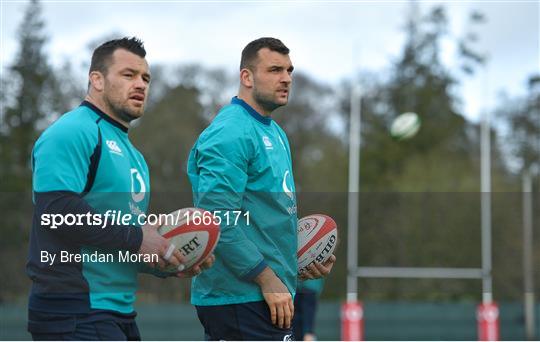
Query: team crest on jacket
[[138, 188], [267, 143], [286, 189], [113, 147]]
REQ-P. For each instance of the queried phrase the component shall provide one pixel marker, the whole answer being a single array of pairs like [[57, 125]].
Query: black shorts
[[94, 326], [246, 321]]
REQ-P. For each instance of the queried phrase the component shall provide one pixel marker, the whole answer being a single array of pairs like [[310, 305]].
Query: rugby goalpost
[[352, 312]]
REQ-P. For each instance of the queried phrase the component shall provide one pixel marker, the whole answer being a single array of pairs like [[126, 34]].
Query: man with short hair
[[85, 164], [242, 164]]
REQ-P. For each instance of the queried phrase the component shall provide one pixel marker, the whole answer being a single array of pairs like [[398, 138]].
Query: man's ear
[[246, 78], [97, 80]]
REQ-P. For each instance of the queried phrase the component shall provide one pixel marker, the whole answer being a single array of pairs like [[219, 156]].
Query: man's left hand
[[317, 270], [196, 270]]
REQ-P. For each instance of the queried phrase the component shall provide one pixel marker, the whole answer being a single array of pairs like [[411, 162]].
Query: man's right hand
[[153, 243], [277, 297]]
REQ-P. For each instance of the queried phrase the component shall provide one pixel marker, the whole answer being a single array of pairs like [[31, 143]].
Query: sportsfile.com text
[[113, 217]]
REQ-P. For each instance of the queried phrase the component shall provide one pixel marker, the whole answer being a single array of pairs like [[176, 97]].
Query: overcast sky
[[328, 40]]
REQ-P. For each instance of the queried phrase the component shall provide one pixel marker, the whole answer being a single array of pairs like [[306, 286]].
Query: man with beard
[[85, 164], [240, 169]]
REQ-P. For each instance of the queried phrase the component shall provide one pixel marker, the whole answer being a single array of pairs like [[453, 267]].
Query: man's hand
[[196, 270], [153, 243], [277, 297], [317, 270]]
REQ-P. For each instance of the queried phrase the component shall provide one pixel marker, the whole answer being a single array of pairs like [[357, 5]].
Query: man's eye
[[128, 75]]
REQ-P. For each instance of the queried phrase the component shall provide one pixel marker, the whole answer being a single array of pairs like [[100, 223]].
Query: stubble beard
[[122, 111], [266, 102]]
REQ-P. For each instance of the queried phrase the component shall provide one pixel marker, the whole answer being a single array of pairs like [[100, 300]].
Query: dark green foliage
[[30, 76], [165, 136], [522, 117], [30, 94]]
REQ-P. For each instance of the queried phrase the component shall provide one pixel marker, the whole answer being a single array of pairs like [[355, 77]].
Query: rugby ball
[[194, 233], [405, 126], [317, 239]]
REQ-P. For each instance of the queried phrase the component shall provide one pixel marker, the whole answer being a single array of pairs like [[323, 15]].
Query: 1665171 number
[[218, 217]]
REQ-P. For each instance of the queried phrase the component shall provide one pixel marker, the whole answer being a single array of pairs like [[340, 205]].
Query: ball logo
[[310, 225], [191, 246], [137, 193], [286, 188], [328, 248]]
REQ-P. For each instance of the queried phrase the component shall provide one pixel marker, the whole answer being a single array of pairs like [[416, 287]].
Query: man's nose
[[287, 78], [140, 83]]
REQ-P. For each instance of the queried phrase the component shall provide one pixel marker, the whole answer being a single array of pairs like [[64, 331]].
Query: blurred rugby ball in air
[[194, 236], [405, 126], [317, 239]]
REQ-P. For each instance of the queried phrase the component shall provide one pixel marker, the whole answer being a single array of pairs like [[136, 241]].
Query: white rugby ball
[[405, 126], [193, 235], [317, 239]]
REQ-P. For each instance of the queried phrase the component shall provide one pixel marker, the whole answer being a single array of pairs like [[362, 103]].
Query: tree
[[419, 200], [319, 156], [32, 100], [165, 136], [522, 116]]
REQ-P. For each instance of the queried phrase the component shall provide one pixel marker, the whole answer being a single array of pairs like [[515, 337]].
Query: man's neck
[[105, 109], [250, 101]]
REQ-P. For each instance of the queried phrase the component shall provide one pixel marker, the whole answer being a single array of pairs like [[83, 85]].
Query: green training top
[[62, 157], [242, 162]]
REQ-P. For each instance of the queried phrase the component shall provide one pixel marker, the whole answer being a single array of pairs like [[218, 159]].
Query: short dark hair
[[249, 54], [103, 53]]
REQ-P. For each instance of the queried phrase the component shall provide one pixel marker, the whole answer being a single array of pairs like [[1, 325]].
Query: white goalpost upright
[[352, 311]]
